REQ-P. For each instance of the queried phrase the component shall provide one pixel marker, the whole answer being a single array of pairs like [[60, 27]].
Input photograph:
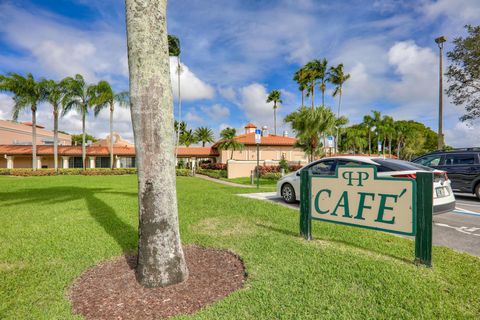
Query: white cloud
[[191, 87], [193, 117], [229, 93], [56, 50], [215, 112], [463, 135], [253, 102]]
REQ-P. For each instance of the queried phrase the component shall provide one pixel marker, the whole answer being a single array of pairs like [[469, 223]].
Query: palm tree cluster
[[312, 126], [71, 93], [188, 137], [405, 139], [228, 141], [316, 73]]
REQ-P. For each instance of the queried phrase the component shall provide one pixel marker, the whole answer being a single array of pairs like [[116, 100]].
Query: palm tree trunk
[[161, 261], [323, 94], [275, 118], [203, 143], [369, 143], [111, 136], [390, 146], [398, 149], [34, 137], [55, 138], [84, 153], [231, 155], [338, 116], [313, 95], [303, 96]]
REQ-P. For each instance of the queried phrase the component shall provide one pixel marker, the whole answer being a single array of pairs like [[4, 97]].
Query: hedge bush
[[213, 173], [184, 172], [272, 176], [214, 166], [67, 172]]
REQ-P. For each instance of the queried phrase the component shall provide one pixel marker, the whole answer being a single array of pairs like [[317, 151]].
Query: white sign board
[[356, 196], [330, 141], [258, 136]]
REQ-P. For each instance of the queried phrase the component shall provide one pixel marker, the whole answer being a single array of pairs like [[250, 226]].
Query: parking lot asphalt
[[458, 229]]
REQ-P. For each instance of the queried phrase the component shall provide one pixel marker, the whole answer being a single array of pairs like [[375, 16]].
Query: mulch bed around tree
[[110, 290]]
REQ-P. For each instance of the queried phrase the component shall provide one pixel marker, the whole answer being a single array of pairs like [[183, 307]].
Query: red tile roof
[[65, 150], [197, 151], [250, 125], [270, 140]]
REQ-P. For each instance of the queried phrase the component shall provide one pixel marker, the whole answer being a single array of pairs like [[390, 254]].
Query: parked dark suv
[[461, 165]]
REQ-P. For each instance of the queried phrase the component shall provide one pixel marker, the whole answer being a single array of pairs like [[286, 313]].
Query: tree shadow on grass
[[342, 242], [105, 215]]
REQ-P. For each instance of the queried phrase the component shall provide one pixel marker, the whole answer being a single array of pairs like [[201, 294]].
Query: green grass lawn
[[53, 228], [246, 180]]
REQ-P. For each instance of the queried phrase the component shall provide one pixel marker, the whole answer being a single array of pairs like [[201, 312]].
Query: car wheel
[[288, 193], [477, 191]]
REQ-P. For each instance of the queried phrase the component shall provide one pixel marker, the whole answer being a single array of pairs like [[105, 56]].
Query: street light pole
[[440, 41]]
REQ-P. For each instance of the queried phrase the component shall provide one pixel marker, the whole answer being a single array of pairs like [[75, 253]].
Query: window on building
[[75, 162], [127, 162], [102, 162]]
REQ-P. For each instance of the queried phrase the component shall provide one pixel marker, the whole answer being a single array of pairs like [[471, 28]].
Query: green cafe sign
[[356, 196]]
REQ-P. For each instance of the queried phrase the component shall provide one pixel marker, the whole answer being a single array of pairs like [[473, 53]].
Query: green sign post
[[356, 196]]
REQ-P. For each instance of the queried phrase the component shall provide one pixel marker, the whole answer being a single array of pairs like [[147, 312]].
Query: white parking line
[[466, 230]]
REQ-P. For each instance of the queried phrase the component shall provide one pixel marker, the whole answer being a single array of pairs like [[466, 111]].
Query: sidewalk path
[[227, 183]]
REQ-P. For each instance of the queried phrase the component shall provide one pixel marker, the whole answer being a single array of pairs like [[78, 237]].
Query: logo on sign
[[356, 196]]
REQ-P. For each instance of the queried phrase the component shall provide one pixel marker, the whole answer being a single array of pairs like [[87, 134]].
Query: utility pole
[[440, 41]]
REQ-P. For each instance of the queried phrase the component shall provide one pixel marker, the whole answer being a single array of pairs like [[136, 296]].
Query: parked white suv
[[288, 187]]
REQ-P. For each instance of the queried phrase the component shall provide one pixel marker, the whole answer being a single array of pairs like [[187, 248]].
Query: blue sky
[[234, 52]]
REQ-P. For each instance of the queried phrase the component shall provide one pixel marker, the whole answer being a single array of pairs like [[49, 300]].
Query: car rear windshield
[[386, 165]]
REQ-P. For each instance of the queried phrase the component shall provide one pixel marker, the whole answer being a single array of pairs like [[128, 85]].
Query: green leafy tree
[[78, 138], [464, 73], [54, 95], [275, 97], [377, 123], [228, 141], [188, 138], [355, 138], [104, 97], [369, 123], [323, 77], [388, 127], [310, 126], [77, 97], [204, 135], [27, 93]]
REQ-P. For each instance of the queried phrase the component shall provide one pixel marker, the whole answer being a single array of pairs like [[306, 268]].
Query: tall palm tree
[[275, 97], [174, 50], [323, 77], [187, 138], [339, 123], [27, 93], [54, 94], [368, 122], [228, 141], [160, 261], [388, 125], [204, 135], [301, 79], [77, 97], [313, 73], [310, 125], [377, 123], [104, 97], [338, 77], [401, 132]]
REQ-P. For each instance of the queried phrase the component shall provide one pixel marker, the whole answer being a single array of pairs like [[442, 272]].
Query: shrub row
[[276, 169], [213, 173], [67, 172], [184, 172], [213, 166], [272, 175]]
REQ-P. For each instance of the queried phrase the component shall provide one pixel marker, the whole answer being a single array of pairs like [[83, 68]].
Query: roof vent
[[264, 131]]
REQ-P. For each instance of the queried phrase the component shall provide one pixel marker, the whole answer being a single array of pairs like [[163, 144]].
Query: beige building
[[20, 133]]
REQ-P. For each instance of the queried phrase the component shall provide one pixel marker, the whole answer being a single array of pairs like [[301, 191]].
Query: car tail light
[[440, 176], [407, 175]]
